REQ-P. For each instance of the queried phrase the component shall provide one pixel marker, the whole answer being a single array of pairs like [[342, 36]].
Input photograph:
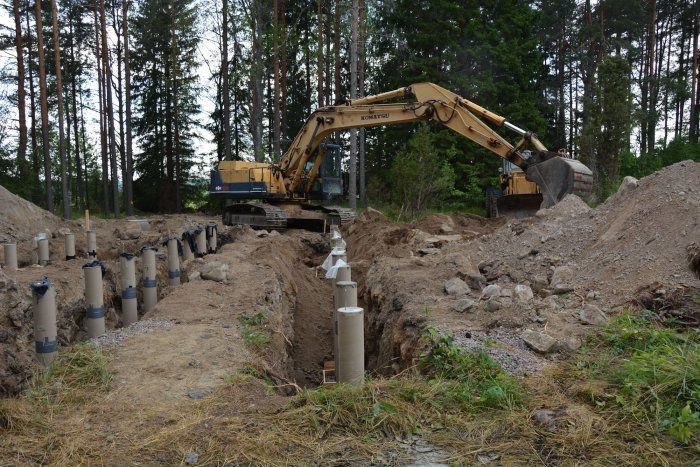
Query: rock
[[591, 314], [429, 251], [492, 305], [473, 279], [538, 341], [445, 229], [456, 287], [506, 293], [547, 418], [463, 305], [274, 233], [262, 233], [129, 232], [191, 458], [214, 271], [194, 276], [539, 282], [561, 280], [196, 394], [487, 457], [63, 231], [572, 344], [523, 293], [628, 183], [490, 291]]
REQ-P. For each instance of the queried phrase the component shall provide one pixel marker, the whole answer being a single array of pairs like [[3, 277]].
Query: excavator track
[[345, 215], [257, 215]]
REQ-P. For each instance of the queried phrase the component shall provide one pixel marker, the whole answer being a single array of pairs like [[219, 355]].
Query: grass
[[251, 329], [651, 374], [461, 403]]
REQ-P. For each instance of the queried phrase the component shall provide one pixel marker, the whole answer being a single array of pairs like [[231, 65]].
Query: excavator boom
[[557, 176]]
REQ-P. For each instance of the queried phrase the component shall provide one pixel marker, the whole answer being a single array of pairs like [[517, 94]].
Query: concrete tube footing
[[128, 276], [70, 246], [344, 295], [150, 284], [10, 250], [211, 237], [350, 362], [336, 255], [92, 245], [201, 239], [94, 300], [187, 248], [173, 262], [44, 302], [43, 245]]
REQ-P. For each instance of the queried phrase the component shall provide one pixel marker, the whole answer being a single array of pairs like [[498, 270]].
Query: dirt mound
[[580, 264], [21, 220]]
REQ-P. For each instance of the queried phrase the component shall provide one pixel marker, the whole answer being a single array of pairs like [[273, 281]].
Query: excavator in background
[[278, 196]]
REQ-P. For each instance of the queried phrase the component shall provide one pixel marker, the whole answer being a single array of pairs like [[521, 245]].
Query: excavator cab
[[328, 184]]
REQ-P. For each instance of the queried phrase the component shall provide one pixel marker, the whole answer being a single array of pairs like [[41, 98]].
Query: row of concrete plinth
[[42, 243], [44, 293], [348, 320]]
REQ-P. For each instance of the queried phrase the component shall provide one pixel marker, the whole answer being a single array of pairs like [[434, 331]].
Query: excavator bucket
[[558, 177]]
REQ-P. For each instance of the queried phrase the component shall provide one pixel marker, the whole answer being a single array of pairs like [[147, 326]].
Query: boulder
[[446, 229], [128, 232], [493, 290], [214, 271], [539, 341], [539, 282], [492, 305], [464, 305], [591, 314], [523, 293], [562, 280], [456, 287]]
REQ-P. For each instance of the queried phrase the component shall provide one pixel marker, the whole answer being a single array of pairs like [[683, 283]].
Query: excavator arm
[[556, 176]]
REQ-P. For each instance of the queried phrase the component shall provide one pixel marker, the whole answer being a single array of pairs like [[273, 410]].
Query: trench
[[310, 313]]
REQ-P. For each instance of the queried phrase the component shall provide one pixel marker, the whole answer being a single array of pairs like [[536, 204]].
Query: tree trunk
[[352, 166], [21, 99], [257, 77], [65, 192], [44, 107], [319, 66], [36, 188], [693, 130], [336, 50], [74, 109], [361, 84], [110, 111], [283, 75], [103, 131], [129, 175], [226, 97], [276, 85], [120, 93]]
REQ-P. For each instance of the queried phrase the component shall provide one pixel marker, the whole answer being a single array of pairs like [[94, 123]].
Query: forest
[[118, 106]]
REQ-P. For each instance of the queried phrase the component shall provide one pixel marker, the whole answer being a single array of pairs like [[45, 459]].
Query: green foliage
[[251, 329], [654, 372], [164, 74], [419, 178], [78, 373], [480, 381], [606, 136], [486, 52]]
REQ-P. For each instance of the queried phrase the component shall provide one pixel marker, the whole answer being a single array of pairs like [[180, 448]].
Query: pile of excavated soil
[[580, 264]]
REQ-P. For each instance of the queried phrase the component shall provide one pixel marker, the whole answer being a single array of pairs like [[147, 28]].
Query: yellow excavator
[[310, 168]]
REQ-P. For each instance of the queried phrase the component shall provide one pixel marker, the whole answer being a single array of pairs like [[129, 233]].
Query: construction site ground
[[226, 370]]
